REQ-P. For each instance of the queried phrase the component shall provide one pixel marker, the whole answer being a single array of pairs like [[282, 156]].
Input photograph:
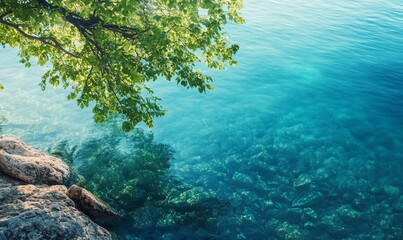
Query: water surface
[[303, 139]]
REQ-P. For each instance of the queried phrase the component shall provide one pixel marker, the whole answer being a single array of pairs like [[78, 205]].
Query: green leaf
[[127, 126], [108, 52]]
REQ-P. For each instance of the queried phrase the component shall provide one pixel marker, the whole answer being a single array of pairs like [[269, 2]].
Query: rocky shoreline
[[35, 203]]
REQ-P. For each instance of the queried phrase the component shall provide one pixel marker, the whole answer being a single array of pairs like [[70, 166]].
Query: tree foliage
[[106, 51]]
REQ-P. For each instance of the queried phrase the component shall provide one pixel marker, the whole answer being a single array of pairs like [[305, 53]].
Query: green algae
[[130, 173]]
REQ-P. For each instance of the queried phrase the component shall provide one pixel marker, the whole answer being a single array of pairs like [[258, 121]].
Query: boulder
[[21, 162], [31, 205], [42, 212], [92, 207], [309, 200]]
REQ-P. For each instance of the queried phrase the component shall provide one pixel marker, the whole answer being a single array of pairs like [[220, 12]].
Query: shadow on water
[[131, 173], [3, 120]]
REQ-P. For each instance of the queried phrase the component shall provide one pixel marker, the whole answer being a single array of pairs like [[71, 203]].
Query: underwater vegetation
[[130, 172], [293, 180], [124, 170]]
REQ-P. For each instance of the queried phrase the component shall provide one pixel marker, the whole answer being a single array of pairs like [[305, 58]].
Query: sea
[[303, 139]]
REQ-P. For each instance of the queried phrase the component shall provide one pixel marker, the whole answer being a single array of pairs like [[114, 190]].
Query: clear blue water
[[310, 120]]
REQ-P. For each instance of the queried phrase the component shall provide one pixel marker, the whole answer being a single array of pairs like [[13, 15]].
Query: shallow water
[[303, 139]]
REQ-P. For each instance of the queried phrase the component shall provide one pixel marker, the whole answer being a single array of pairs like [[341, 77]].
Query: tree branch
[[50, 41], [83, 23], [5, 14]]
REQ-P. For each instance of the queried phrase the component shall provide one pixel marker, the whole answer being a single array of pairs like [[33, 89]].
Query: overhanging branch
[[89, 23], [50, 41]]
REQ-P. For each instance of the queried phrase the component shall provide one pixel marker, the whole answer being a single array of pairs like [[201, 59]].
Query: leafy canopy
[[106, 51]]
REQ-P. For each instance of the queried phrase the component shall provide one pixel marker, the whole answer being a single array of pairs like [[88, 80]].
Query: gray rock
[[29, 165], [37, 212], [92, 207], [309, 200], [310, 213], [243, 179], [348, 214], [42, 212], [303, 181]]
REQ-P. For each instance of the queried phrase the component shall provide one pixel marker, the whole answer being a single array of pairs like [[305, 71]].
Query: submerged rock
[[333, 225], [286, 230], [309, 200], [348, 214], [302, 181], [92, 207], [310, 213], [391, 191], [37, 212], [29, 165], [243, 179]]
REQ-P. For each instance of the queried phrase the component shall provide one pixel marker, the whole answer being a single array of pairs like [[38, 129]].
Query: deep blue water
[[317, 96]]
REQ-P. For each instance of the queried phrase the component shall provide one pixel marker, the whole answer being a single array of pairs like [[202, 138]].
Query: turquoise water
[[302, 140]]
